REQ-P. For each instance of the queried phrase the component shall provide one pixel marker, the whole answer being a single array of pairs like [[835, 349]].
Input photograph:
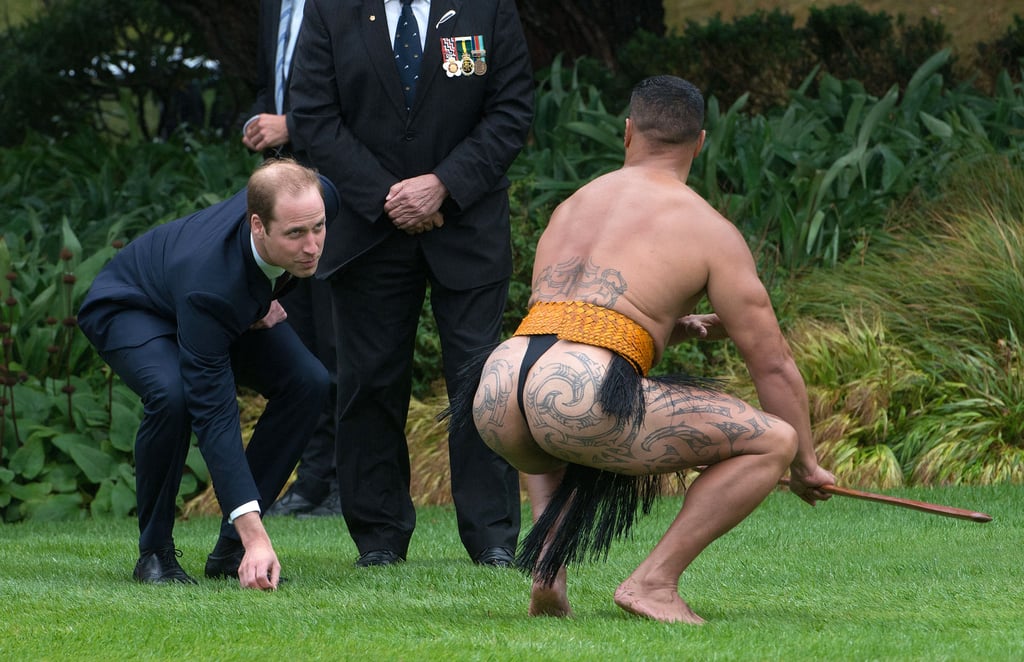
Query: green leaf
[[33, 403], [100, 504], [64, 476], [5, 258], [56, 508], [96, 464], [935, 126], [877, 113], [71, 241], [124, 425], [29, 492], [926, 70], [28, 460], [197, 464], [188, 486], [814, 230], [122, 499], [606, 138], [87, 270]]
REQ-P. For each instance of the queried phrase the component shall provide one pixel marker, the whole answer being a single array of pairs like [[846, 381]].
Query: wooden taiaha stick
[[923, 506]]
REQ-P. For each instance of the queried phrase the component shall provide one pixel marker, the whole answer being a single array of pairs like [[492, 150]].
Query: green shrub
[[111, 64], [1005, 54], [944, 298], [851, 43], [763, 55]]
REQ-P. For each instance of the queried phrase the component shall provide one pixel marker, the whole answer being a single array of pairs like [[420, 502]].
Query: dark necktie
[[408, 52], [280, 284]]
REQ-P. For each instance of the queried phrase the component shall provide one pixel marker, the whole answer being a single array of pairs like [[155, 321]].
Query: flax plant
[[946, 298]]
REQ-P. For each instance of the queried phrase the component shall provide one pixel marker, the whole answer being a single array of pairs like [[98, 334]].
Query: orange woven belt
[[586, 323]]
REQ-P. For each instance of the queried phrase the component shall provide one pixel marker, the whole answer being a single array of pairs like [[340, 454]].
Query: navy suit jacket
[[351, 123], [195, 279]]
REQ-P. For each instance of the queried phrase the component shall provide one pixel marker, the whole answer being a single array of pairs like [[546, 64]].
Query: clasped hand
[[413, 204]]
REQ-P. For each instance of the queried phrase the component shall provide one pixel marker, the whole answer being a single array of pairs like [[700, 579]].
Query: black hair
[[667, 109]]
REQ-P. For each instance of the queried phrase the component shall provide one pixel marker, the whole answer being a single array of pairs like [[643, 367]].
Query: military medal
[[450, 62], [480, 55], [468, 66]]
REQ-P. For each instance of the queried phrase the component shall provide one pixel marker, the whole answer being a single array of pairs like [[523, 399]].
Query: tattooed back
[[641, 242]]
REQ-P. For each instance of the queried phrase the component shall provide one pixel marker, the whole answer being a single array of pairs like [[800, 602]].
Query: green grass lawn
[[847, 580]]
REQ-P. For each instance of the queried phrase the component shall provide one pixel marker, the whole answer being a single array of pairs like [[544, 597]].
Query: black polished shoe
[[292, 503], [223, 561], [161, 567], [499, 557], [378, 557], [329, 507]]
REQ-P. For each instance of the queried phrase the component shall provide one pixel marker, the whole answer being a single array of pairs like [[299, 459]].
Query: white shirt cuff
[[250, 507], [248, 122]]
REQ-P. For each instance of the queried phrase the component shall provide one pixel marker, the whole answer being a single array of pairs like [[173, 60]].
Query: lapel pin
[[448, 14]]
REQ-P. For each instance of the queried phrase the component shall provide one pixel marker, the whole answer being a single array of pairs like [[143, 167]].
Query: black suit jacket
[[195, 279], [351, 123]]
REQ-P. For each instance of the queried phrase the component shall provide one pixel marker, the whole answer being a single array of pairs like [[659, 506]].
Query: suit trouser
[[377, 303], [274, 363], [309, 312]]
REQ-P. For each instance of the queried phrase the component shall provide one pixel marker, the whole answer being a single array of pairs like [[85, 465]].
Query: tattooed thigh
[[495, 394], [689, 426]]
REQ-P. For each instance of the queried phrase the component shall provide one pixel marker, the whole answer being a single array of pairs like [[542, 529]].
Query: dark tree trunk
[[595, 28]]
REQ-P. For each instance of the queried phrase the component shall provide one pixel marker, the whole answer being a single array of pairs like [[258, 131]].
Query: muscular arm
[[745, 311]]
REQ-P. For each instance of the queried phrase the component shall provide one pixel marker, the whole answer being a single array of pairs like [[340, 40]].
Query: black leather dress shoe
[[329, 507], [223, 562], [378, 557], [499, 557], [292, 503], [161, 567]]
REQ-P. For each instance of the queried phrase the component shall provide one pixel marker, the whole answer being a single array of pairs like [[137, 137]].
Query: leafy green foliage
[[924, 331]]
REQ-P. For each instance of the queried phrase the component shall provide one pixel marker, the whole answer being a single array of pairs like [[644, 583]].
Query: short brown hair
[[275, 176]]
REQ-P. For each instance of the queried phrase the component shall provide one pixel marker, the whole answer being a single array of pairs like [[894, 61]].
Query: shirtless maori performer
[[618, 272]]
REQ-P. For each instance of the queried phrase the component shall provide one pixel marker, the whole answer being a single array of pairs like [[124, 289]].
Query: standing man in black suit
[[185, 312], [315, 489], [414, 109]]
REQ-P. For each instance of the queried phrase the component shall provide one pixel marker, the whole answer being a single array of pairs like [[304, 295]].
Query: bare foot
[[550, 600], [659, 604]]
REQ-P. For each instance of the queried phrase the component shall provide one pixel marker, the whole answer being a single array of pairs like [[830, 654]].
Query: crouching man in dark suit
[[185, 313]]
